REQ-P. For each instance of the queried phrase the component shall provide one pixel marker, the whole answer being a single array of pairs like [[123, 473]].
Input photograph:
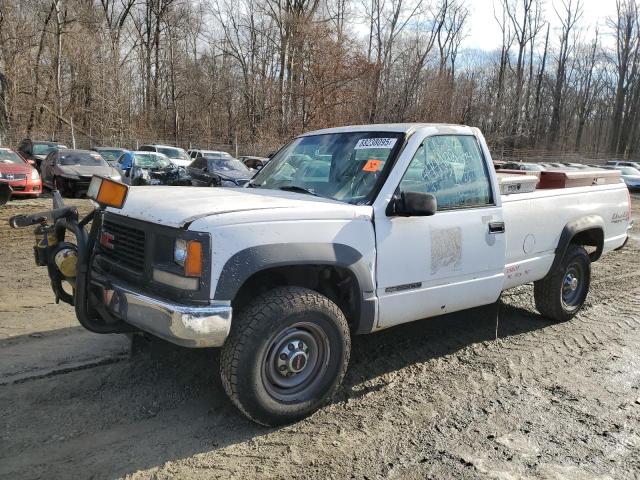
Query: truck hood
[[180, 206]]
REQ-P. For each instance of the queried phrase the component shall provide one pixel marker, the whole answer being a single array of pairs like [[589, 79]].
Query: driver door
[[450, 261]]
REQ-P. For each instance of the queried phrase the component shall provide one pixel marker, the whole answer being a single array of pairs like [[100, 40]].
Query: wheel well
[[338, 284], [593, 237]]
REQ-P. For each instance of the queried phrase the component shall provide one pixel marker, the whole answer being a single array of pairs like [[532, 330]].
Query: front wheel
[[286, 355], [561, 294]]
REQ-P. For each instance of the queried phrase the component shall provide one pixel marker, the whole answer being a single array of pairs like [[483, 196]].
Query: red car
[[22, 177]]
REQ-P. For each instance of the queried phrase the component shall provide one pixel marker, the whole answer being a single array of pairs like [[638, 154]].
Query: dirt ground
[[440, 398]]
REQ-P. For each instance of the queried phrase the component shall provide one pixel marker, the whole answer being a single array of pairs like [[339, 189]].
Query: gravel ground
[[441, 398]]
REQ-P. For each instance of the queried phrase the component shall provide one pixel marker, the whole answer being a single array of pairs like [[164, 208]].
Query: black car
[[110, 154], [34, 151], [218, 172]]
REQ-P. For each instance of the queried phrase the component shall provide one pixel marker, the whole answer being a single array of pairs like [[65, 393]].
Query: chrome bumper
[[188, 326]]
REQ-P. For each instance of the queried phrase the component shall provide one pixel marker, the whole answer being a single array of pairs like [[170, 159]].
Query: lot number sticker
[[375, 143]]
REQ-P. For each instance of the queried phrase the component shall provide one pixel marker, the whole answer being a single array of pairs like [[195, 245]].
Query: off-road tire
[[548, 292], [246, 352]]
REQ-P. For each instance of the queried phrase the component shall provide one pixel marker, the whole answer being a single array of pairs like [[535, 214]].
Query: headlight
[[180, 252], [228, 183], [188, 254], [34, 174]]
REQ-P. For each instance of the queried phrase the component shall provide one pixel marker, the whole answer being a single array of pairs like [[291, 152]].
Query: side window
[[450, 167], [147, 148]]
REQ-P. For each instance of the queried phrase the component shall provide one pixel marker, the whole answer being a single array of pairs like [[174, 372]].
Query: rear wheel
[[561, 294], [286, 355]]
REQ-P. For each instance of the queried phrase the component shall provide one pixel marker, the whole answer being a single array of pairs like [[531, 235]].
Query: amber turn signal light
[[193, 262], [107, 192]]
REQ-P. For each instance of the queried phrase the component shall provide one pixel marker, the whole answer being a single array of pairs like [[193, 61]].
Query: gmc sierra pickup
[[345, 231]]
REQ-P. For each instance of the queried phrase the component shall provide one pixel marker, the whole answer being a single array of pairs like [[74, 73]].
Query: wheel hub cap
[[293, 358], [296, 361], [572, 282]]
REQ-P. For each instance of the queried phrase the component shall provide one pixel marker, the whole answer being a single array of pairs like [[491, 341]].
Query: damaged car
[[151, 168], [70, 171]]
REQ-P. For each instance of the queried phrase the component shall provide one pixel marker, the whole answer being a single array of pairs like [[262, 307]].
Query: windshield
[[44, 149], [176, 153], [151, 160], [630, 171], [110, 155], [8, 156], [341, 166], [82, 158], [226, 164]]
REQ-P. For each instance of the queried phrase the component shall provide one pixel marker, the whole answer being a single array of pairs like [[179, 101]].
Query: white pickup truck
[[345, 231]]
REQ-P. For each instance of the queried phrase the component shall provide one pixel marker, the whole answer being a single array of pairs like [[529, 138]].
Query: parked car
[[630, 175], [34, 151], [575, 165], [150, 168], [535, 167], [406, 224], [253, 163], [70, 171], [177, 155], [195, 153], [624, 163], [110, 154], [22, 177], [208, 171]]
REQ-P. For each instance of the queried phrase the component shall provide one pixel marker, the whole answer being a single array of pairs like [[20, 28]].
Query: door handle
[[496, 227]]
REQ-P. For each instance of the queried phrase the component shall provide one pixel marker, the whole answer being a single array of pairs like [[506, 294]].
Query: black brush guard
[[90, 310]]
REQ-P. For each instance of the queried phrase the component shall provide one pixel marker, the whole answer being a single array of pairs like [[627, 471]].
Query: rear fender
[[588, 230]]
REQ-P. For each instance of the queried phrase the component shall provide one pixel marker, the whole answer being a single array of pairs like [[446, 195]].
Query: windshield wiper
[[296, 188]]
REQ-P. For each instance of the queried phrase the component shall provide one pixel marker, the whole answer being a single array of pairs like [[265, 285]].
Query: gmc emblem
[[106, 240]]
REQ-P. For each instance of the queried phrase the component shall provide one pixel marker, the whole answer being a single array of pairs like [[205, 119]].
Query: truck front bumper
[[188, 326]]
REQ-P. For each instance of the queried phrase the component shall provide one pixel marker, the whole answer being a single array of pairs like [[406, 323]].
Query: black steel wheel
[[562, 293], [285, 356]]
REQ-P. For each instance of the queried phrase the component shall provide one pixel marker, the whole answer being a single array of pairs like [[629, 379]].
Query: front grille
[[13, 176], [128, 245]]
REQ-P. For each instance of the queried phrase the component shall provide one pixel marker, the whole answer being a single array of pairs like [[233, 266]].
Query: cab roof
[[396, 128]]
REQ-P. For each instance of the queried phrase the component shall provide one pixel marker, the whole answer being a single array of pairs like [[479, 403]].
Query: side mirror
[[412, 204]]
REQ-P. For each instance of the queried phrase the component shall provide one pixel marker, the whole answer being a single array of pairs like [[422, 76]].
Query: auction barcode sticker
[[375, 143]]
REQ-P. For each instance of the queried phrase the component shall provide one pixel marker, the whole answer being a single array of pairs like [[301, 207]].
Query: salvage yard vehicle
[[19, 174], [394, 223], [110, 154], [150, 168], [70, 171], [35, 151], [630, 175], [177, 155], [206, 171], [253, 163]]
